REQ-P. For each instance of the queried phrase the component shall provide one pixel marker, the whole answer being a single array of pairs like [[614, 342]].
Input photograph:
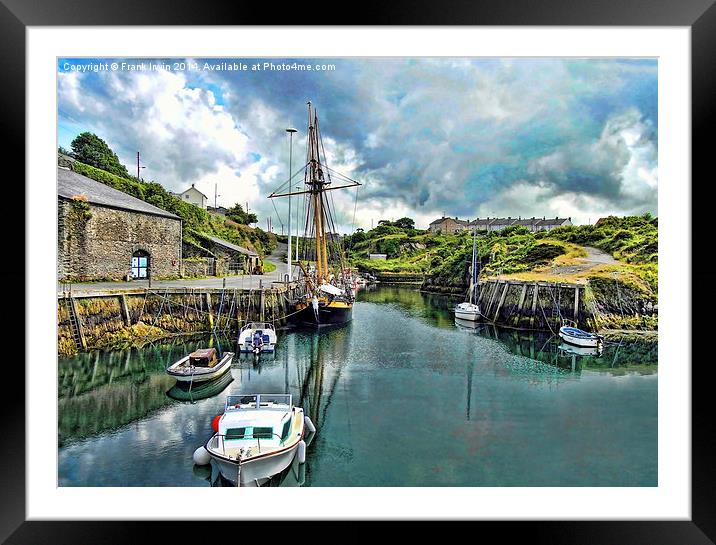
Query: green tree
[[92, 150], [236, 213], [404, 223]]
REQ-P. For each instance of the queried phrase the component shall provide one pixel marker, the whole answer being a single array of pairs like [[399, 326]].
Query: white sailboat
[[470, 310]]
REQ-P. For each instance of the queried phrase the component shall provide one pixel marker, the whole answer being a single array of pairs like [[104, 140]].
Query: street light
[[290, 132]]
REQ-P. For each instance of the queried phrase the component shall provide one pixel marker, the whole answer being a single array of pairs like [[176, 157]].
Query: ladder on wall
[[74, 323]]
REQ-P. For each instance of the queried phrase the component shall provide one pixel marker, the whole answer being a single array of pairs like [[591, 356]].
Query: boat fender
[[215, 423], [301, 452], [201, 456], [307, 422]]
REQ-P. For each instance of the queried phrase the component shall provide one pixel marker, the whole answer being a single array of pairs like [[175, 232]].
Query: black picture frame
[[699, 15]]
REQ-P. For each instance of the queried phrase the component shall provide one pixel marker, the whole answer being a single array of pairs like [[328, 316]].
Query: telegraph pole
[[215, 195], [138, 167]]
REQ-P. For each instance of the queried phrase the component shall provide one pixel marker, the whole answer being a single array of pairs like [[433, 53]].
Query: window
[[249, 433], [286, 430], [236, 433], [263, 433], [140, 264]]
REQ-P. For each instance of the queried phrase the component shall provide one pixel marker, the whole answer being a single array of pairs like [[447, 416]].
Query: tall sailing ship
[[330, 295]]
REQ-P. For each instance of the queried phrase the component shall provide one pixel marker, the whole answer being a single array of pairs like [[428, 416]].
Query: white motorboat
[[570, 333], [200, 366], [257, 337], [470, 309], [257, 437]]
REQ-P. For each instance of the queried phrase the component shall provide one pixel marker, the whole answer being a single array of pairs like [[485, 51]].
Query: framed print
[[402, 269]]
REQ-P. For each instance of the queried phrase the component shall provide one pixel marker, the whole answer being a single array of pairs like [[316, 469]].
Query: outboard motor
[[257, 341]]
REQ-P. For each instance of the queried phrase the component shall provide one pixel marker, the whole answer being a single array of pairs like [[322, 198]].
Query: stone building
[[447, 225], [218, 258], [106, 234]]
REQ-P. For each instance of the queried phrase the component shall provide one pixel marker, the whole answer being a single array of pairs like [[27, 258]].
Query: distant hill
[[633, 240]]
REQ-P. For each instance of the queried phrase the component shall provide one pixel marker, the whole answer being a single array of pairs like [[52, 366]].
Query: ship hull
[[331, 314]]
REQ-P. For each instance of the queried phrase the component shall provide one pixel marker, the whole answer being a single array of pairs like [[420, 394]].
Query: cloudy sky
[[425, 137]]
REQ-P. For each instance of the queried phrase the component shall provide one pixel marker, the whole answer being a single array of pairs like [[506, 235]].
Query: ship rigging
[[330, 297]]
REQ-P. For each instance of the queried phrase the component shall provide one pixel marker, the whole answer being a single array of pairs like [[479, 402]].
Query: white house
[[194, 196]]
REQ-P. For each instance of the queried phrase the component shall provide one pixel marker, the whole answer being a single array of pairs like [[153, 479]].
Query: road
[[247, 281]]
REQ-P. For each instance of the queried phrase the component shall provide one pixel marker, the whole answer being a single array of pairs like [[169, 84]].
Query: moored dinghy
[[200, 366], [570, 333], [257, 437]]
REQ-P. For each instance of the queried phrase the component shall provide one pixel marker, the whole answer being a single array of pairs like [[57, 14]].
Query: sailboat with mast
[[329, 296], [470, 309]]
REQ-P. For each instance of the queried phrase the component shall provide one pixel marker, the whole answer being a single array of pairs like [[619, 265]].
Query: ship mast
[[317, 180]]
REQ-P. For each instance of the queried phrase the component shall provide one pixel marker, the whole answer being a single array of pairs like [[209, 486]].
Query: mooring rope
[[239, 321]]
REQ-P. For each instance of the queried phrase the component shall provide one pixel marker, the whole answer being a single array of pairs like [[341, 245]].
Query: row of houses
[[455, 225], [106, 234]]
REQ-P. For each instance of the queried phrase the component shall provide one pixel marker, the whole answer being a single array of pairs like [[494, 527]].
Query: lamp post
[[290, 132]]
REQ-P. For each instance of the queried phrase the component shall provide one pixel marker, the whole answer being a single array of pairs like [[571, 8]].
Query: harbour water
[[401, 396]]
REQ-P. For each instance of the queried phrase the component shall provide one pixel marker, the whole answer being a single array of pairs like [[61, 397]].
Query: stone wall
[[100, 247], [196, 266]]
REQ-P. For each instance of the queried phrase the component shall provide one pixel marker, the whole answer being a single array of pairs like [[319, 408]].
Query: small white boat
[[200, 366], [570, 333], [257, 437], [257, 337], [470, 310]]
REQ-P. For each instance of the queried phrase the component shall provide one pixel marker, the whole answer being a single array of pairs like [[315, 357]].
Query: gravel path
[[594, 257]]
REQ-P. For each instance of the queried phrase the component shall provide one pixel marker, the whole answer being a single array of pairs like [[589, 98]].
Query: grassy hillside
[[632, 239], [515, 251], [195, 219]]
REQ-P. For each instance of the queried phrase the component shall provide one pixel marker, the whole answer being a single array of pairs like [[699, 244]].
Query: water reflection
[[183, 391], [373, 388], [616, 357]]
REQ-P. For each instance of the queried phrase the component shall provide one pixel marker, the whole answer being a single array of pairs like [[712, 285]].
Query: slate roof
[[459, 222], [552, 221], [70, 184], [195, 189], [229, 245]]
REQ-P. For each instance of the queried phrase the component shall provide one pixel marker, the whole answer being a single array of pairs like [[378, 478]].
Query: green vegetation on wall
[[195, 220]]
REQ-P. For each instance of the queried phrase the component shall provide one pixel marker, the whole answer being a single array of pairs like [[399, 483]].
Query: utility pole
[[215, 195], [138, 167], [290, 132]]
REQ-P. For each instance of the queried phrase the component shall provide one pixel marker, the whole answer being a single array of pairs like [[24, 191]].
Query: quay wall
[[596, 305], [120, 319]]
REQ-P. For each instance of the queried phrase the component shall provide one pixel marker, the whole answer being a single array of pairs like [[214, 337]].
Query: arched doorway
[[140, 264]]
